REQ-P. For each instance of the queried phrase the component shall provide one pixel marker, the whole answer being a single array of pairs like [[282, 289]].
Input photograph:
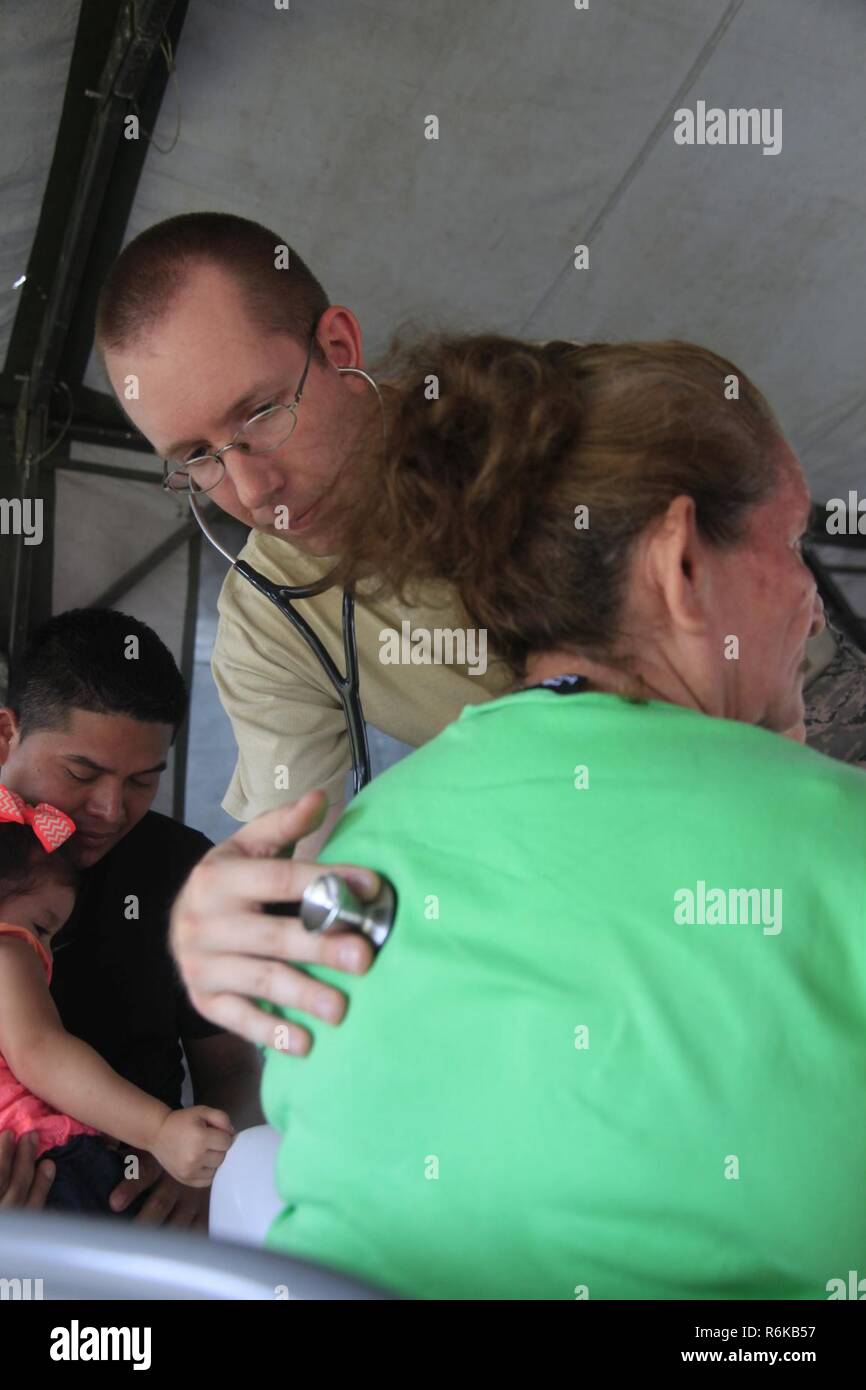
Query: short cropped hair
[[151, 270], [82, 659]]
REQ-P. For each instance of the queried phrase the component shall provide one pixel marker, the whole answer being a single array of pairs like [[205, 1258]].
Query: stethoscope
[[328, 904], [346, 687]]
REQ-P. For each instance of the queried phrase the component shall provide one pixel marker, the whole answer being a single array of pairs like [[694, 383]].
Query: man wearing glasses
[[240, 384]]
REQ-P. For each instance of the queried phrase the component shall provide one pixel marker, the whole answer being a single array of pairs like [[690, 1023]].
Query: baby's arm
[[72, 1078]]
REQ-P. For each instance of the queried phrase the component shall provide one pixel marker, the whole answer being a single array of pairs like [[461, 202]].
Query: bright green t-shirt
[[616, 1044]]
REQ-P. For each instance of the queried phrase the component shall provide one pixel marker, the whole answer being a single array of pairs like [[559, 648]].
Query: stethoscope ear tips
[[329, 905]]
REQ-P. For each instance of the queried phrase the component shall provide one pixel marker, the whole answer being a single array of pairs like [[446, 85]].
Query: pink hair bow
[[50, 826]]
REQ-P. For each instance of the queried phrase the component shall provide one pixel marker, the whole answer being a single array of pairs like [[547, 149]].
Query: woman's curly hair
[[492, 445]]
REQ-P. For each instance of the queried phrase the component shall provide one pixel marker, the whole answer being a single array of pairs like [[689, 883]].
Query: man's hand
[[230, 953], [23, 1183], [169, 1203]]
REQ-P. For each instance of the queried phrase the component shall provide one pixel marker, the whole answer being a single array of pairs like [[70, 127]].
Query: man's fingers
[[345, 950], [274, 983], [129, 1188], [239, 1016], [250, 882], [184, 1219], [366, 882], [8, 1150], [126, 1191], [174, 1204], [191, 1209], [160, 1204], [21, 1183], [272, 938], [273, 830], [45, 1172]]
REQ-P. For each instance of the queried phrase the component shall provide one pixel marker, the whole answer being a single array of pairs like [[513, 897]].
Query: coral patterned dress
[[20, 1110]]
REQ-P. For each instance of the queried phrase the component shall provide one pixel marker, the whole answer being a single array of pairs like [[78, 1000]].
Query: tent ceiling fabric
[[103, 526], [553, 131], [37, 38], [130, 520]]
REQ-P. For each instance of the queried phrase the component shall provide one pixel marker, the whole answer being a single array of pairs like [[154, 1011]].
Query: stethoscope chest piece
[[329, 905]]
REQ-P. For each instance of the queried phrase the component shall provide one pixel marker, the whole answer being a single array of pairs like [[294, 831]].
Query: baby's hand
[[192, 1144]]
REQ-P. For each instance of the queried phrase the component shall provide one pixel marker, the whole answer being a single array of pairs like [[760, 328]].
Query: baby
[[52, 1082]]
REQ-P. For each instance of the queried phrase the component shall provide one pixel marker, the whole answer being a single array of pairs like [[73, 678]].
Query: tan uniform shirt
[[287, 721]]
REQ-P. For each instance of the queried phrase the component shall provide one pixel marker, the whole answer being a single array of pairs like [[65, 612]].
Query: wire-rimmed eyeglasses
[[263, 432]]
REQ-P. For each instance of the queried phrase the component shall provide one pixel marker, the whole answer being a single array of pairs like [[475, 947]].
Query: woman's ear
[[677, 566]]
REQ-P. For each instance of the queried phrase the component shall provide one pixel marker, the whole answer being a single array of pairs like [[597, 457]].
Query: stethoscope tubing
[[346, 687]]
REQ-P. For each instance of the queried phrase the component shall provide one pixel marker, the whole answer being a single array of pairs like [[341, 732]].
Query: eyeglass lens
[[260, 435]]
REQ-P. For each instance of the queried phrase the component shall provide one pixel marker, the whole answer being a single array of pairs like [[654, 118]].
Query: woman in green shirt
[[615, 1046]]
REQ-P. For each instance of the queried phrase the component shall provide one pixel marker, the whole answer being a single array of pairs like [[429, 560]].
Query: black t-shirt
[[114, 982]]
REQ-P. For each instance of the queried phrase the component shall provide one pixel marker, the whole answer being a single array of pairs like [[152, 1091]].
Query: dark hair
[[149, 272], [481, 484], [79, 660], [23, 862]]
